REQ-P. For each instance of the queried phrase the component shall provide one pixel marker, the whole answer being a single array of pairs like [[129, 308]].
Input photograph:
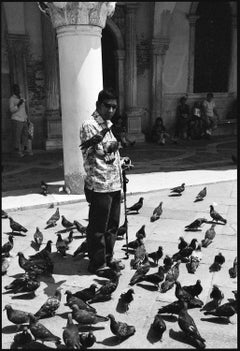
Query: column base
[[75, 182], [134, 118]]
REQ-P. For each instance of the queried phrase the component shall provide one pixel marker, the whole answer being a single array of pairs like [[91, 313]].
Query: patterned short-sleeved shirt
[[100, 175]]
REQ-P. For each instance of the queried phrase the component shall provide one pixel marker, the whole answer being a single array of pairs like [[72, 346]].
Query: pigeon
[[195, 289], [109, 287], [196, 224], [141, 232], [157, 212], [39, 266], [111, 147], [209, 236], [16, 227], [226, 310], [126, 298], [178, 189], [61, 245], [86, 317], [87, 293], [82, 249], [8, 246], [197, 254], [216, 294], [159, 325], [42, 254], [122, 229], [233, 270], [183, 295], [17, 317], [134, 244], [136, 207], [38, 237], [194, 243], [139, 256], [183, 254], [154, 278], [71, 334], [96, 139], [141, 271], [80, 228], [5, 264], [49, 308], [66, 223], [23, 338], [216, 216], [219, 259], [120, 329], [73, 300], [171, 276], [168, 262], [40, 332], [17, 283], [87, 339], [175, 306], [193, 264], [200, 196], [234, 159], [156, 255], [100, 297], [182, 243], [52, 221], [188, 326], [4, 214], [44, 188]]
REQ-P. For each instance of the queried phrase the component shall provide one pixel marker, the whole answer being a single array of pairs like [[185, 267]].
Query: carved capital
[[78, 13], [192, 19], [160, 46]]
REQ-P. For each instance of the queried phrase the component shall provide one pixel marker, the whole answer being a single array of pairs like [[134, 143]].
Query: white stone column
[[120, 59], [159, 49], [134, 114], [191, 52], [79, 27], [232, 82]]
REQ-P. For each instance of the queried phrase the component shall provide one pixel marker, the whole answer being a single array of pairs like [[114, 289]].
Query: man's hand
[[20, 102]]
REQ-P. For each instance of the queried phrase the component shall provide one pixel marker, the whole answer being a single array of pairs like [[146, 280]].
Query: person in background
[[19, 121], [183, 114], [120, 132], [210, 115], [196, 124], [159, 133], [103, 182]]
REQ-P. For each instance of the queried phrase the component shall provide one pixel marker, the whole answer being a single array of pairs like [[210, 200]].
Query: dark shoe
[[93, 269]]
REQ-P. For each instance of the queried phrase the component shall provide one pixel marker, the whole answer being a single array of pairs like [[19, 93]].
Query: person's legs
[[113, 224], [24, 136], [99, 214], [17, 133]]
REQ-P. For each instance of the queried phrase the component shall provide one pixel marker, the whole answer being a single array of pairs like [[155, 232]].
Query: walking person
[[103, 183], [19, 121], [183, 114], [210, 115]]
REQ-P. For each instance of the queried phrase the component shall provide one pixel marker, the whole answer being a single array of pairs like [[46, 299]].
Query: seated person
[[120, 132], [159, 133], [195, 128], [210, 115]]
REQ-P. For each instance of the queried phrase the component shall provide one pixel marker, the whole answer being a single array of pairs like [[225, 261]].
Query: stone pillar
[[79, 26], [159, 49], [232, 82], [191, 52], [134, 114], [120, 58], [52, 112]]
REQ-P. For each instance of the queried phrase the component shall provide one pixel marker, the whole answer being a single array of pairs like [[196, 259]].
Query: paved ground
[[72, 274]]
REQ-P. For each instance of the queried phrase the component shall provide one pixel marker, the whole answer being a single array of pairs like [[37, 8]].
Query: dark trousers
[[104, 215]]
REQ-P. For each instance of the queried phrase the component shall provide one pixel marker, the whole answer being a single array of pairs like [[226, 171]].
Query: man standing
[[103, 181], [19, 120], [210, 115]]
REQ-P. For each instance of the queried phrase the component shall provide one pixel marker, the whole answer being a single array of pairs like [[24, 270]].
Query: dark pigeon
[[86, 317], [120, 329], [38, 237], [209, 236], [40, 332], [15, 316], [219, 259], [16, 227], [82, 249], [44, 188], [141, 271], [97, 138], [226, 310], [157, 212], [5, 264], [87, 293], [71, 334], [61, 245], [80, 228], [23, 338], [154, 278], [195, 289], [49, 308], [38, 266], [182, 243], [141, 232], [196, 224], [201, 195], [178, 189], [4, 214], [122, 229], [216, 216], [136, 207], [159, 325], [8, 246], [233, 270], [66, 223], [87, 339], [156, 255], [126, 298], [43, 253], [73, 300]]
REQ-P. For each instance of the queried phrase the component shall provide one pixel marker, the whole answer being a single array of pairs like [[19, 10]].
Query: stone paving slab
[[72, 273]]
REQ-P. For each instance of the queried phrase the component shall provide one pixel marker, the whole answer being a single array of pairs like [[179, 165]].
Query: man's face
[[107, 109], [16, 90], [209, 98]]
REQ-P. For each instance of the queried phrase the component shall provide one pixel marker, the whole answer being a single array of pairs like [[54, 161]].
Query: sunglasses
[[110, 106]]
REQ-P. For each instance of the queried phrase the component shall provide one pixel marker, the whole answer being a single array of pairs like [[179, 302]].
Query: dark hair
[[183, 98], [15, 86], [106, 94], [210, 95]]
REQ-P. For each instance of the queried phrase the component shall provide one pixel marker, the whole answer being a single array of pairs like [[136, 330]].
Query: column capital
[[119, 54], [160, 45], [79, 13], [192, 19]]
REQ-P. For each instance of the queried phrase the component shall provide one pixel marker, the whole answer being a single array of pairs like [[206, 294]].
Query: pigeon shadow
[[152, 336], [86, 328], [15, 233], [197, 200], [112, 341], [174, 195], [192, 230], [25, 296], [181, 337], [169, 318], [132, 213], [64, 315], [9, 329], [51, 287], [209, 306], [213, 222], [35, 246], [217, 320], [148, 287], [79, 236], [34, 345]]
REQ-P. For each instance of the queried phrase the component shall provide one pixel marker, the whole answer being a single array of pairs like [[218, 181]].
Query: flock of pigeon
[[80, 302]]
